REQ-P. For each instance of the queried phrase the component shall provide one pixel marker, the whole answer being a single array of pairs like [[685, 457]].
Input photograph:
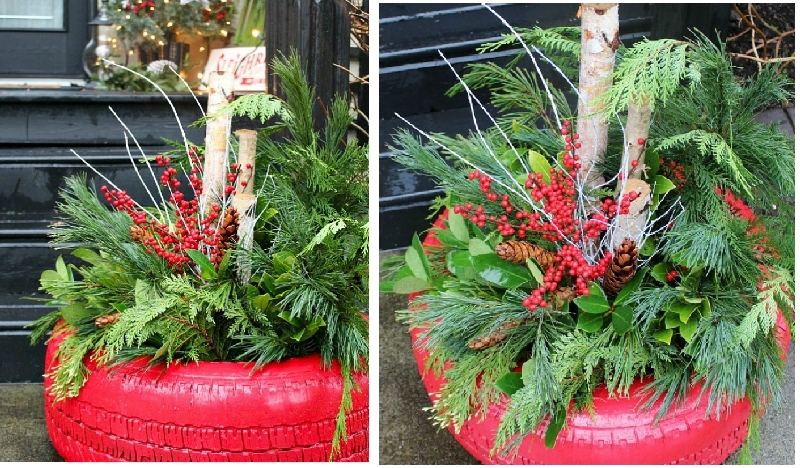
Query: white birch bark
[[218, 129]]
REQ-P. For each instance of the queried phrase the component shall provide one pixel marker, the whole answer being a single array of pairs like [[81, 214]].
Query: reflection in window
[[32, 14]]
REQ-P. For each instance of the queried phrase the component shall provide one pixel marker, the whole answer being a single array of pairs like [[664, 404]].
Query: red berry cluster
[[570, 260], [189, 231], [555, 221], [739, 208], [671, 275]]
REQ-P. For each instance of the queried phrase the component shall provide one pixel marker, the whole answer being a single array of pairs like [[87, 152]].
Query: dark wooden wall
[[413, 78], [37, 131]]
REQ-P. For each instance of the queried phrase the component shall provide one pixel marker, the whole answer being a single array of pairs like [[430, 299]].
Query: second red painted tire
[[211, 411], [619, 432]]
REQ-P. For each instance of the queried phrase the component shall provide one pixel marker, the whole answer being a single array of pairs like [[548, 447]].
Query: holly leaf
[[662, 185], [660, 272], [672, 320], [589, 323], [648, 248], [687, 329], [683, 309], [509, 383], [651, 160], [459, 263], [207, 270], [74, 314], [622, 318], [500, 272], [595, 302]]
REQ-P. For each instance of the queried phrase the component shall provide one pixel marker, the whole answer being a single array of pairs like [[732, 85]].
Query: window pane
[[32, 14]]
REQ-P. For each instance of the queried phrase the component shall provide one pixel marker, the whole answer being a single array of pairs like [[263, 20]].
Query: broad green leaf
[[267, 283], [457, 225], [630, 286], [283, 262], [410, 284], [500, 272], [75, 313], [664, 336], [262, 302], [589, 323], [705, 307], [89, 256], [672, 320], [622, 318], [459, 263], [539, 164], [595, 302], [226, 261], [683, 310], [309, 330], [660, 272], [648, 247], [287, 316], [120, 307], [535, 271], [555, 426], [62, 269], [651, 161], [509, 383], [479, 247], [662, 185], [688, 329], [207, 270], [511, 160], [50, 276], [446, 237], [692, 300], [417, 260]]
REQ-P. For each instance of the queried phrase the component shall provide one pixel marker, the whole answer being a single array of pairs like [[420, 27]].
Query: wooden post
[[320, 32], [218, 131], [245, 201]]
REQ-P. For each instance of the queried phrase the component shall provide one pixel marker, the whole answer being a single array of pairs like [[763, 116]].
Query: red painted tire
[[618, 433], [212, 411]]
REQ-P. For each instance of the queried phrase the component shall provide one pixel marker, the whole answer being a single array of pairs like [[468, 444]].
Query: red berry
[[640, 141], [634, 163]]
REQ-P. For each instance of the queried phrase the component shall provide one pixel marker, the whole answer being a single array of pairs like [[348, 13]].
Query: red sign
[[248, 65]]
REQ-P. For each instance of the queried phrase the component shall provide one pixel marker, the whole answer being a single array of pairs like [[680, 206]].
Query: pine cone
[[227, 234], [518, 251], [495, 337], [621, 269], [563, 295], [106, 320]]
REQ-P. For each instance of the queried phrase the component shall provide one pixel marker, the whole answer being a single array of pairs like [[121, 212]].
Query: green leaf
[[410, 284], [262, 302], [283, 262], [287, 316], [511, 161], [457, 225], [651, 160], [459, 263], [589, 323], [62, 269], [446, 237], [479, 247], [50, 276], [509, 383], [672, 320], [207, 270], [595, 302], [622, 318], [535, 271], [683, 309], [630, 286], [74, 313], [539, 164], [89, 256], [687, 329], [555, 426], [664, 336], [226, 261], [417, 260], [500, 272], [705, 307], [267, 283], [309, 330], [662, 185], [648, 247], [660, 272], [120, 307]]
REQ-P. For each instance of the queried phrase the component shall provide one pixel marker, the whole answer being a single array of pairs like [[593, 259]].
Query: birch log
[[632, 225], [245, 201], [599, 42], [218, 131]]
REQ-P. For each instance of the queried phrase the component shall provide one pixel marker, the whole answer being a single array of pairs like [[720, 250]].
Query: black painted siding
[[413, 78], [37, 131]]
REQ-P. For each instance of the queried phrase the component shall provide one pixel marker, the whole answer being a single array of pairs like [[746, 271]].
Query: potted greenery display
[[226, 321], [604, 287]]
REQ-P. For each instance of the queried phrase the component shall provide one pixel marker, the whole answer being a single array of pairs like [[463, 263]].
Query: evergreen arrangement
[[182, 281], [649, 233]]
